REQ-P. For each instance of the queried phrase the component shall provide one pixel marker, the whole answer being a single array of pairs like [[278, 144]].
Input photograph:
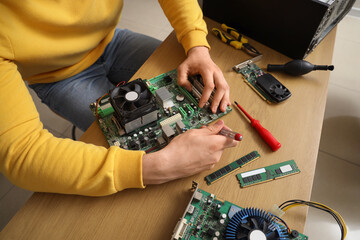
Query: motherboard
[[148, 114]]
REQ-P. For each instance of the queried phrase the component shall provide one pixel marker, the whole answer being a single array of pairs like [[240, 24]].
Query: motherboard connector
[[171, 120]]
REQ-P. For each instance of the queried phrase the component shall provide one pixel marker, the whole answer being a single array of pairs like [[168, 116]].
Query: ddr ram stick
[[222, 172], [268, 173]]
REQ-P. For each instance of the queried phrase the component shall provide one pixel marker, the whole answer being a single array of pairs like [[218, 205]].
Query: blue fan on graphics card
[[255, 224]]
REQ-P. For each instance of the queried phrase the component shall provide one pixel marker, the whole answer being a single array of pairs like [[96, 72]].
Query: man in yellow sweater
[[70, 53]]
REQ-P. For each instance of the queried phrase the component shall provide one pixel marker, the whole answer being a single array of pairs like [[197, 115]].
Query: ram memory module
[[268, 173], [222, 172]]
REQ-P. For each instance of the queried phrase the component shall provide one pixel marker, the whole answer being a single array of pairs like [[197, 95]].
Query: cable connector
[[277, 211]]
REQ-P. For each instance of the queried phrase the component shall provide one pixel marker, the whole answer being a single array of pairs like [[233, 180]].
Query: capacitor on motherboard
[[217, 234], [152, 134], [141, 138], [132, 144], [222, 221]]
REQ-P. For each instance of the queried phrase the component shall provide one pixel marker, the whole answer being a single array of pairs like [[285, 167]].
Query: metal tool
[[238, 43]]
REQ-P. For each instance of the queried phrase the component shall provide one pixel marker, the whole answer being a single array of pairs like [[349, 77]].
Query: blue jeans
[[122, 57]]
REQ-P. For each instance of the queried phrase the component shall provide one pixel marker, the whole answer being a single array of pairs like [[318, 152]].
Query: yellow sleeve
[[187, 20], [33, 159]]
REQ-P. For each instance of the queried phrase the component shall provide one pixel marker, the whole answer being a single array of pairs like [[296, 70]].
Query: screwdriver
[[265, 134], [231, 134]]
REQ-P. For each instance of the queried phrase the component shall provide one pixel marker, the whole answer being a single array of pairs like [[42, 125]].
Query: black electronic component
[[275, 89], [294, 233], [134, 105], [210, 232], [152, 134], [293, 28], [132, 144], [298, 67], [168, 79], [146, 141], [141, 138]]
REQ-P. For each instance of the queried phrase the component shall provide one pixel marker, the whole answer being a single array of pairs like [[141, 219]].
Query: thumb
[[215, 128]]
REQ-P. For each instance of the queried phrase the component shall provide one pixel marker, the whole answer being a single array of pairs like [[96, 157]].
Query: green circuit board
[[206, 217], [185, 112], [268, 173], [226, 170], [251, 72]]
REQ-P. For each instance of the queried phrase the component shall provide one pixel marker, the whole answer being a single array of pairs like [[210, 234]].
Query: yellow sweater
[[45, 41]]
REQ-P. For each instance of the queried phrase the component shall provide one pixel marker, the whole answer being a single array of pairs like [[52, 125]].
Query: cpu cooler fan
[[134, 105], [252, 223]]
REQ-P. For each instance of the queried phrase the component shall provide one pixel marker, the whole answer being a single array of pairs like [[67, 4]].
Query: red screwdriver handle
[[266, 135]]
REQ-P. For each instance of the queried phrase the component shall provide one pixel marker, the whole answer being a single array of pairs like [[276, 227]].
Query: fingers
[[222, 92], [182, 75], [221, 97], [215, 128], [219, 142], [219, 93], [208, 88]]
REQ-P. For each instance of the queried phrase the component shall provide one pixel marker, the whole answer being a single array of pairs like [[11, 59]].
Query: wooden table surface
[[153, 212]]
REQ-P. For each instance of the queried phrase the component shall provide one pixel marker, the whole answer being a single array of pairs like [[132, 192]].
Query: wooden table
[[152, 213]]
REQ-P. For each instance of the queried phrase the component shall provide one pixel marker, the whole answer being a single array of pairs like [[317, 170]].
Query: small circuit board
[[209, 218], [264, 84], [177, 111], [268, 173], [224, 171]]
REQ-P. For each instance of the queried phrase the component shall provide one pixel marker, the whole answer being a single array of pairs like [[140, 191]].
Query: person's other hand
[[187, 154], [199, 61]]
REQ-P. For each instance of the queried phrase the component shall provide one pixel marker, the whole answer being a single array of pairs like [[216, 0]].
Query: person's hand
[[187, 154], [199, 61]]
